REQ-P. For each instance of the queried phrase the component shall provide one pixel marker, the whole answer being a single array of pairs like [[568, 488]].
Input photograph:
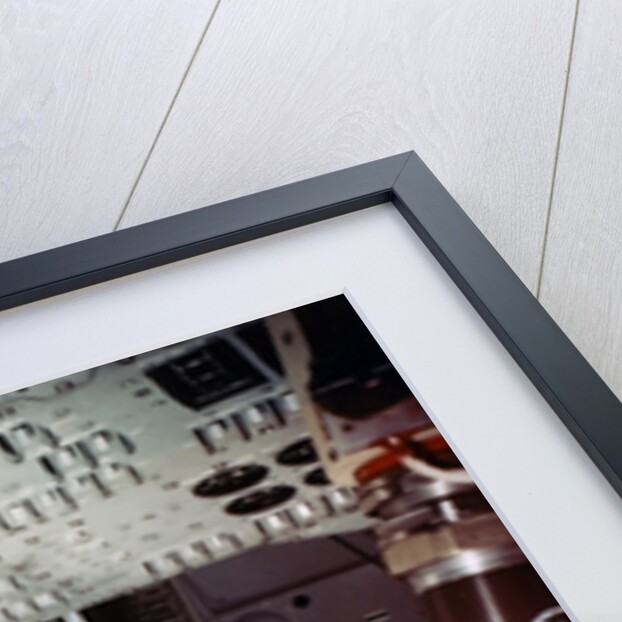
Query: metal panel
[[111, 482]]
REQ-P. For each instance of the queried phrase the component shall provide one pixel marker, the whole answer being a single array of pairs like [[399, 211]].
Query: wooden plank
[[84, 87], [582, 276], [282, 91]]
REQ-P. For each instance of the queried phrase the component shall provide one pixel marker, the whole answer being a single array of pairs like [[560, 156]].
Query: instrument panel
[[125, 475]]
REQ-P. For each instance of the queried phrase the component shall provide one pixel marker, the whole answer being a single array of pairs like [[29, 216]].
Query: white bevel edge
[[549, 494]]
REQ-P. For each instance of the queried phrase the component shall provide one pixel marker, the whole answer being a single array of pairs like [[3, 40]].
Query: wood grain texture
[[84, 87], [282, 91], [582, 275]]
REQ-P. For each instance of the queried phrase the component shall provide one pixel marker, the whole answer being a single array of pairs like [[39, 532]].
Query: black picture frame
[[572, 388]]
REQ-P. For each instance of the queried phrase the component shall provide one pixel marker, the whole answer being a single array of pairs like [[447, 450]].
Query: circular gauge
[[300, 452], [260, 500], [230, 480], [317, 477]]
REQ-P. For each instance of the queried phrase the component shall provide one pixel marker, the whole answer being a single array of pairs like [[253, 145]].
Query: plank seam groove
[[167, 114], [547, 217]]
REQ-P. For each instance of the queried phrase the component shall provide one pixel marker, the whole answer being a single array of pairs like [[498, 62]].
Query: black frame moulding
[[569, 384]]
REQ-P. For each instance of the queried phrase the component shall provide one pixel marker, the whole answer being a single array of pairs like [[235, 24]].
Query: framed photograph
[[329, 401]]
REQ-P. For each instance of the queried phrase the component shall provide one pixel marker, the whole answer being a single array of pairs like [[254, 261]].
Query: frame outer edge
[[569, 384], [113, 255]]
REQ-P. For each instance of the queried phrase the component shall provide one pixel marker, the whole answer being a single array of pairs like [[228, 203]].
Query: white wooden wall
[[116, 113]]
